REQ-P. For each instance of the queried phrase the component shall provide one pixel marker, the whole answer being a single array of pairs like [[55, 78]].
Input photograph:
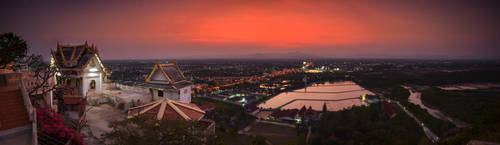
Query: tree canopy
[[12, 48], [142, 130]]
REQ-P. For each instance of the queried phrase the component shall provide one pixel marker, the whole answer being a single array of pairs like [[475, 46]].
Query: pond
[[336, 96]]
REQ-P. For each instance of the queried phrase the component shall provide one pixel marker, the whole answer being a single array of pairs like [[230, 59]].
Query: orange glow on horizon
[[248, 28]]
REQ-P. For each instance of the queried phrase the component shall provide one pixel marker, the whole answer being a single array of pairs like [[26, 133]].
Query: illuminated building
[[168, 81], [83, 72]]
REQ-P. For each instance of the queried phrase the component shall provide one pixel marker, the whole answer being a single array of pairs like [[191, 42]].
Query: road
[[431, 135]]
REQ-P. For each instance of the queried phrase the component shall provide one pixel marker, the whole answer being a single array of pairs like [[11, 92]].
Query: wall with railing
[[31, 111], [140, 89]]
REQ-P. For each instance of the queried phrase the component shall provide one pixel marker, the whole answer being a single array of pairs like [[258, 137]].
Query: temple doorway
[[92, 84]]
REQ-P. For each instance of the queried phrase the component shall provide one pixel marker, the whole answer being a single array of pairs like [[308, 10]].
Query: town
[[285, 102]]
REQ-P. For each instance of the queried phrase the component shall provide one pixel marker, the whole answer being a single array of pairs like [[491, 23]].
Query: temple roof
[[74, 56], [168, 109], [172, 74]]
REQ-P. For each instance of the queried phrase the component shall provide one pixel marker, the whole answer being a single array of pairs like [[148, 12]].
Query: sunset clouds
[[228, 29]]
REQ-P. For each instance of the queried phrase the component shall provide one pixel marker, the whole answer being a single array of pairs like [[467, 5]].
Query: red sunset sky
[[261, 28]]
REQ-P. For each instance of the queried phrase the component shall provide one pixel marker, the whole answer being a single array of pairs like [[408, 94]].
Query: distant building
[[168, 81], [83, 70], [284, 115], [306, 114], [389, 110]]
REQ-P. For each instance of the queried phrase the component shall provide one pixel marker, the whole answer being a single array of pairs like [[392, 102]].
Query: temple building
[[83, 72], [175, 110], [168, 81]]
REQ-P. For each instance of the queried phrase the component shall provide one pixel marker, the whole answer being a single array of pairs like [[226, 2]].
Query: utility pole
[[305, 83]]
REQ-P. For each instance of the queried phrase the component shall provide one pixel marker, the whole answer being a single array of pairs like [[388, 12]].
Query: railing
[[34, 129], [27, 102], [31, 111]]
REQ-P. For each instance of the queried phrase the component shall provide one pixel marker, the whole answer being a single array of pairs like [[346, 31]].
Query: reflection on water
[[329, 91]]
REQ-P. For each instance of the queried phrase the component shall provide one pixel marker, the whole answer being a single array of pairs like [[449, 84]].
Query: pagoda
[[168, 81], [83, 72]]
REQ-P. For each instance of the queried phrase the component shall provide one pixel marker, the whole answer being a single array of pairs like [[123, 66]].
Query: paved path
[[99, 117]]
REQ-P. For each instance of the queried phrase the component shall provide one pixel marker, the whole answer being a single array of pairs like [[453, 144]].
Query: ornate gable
[[75, 56], [169, 73]]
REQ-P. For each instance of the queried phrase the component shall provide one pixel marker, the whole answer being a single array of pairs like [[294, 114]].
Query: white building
[[83, 70], [168, 81]]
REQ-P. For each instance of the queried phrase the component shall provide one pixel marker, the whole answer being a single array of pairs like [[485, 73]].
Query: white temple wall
[[85, 84], [93, 72], [87, 79], [172, 95]]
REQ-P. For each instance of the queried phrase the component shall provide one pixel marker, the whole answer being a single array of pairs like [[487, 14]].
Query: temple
[[173, 110], [83, 72], [168, 81]]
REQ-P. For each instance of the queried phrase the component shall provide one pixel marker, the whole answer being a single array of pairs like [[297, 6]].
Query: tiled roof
[[388, 108], [302, 111], [168, 109], [172, 73], [73, 56], [182, 84], [284, 113]]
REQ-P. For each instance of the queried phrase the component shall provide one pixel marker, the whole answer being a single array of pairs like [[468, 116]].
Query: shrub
[[51, 124]]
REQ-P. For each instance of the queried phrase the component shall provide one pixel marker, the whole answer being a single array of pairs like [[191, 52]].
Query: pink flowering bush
[[51, 123]]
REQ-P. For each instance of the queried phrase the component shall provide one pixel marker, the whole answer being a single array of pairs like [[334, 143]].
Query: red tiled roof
[[168, 109], [302, 111], [284, 113], [310, 112], [388, 108]]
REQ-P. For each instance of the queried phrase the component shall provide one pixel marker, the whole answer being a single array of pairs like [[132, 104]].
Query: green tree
[[148, 131], [12, 48]]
